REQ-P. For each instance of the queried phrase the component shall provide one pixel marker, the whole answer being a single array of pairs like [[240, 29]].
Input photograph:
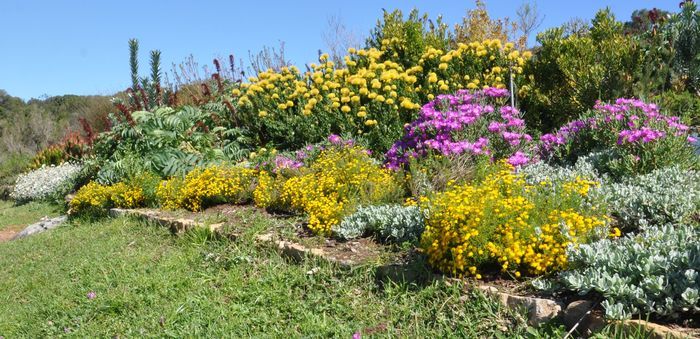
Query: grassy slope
[[148, 282], [17, 217]]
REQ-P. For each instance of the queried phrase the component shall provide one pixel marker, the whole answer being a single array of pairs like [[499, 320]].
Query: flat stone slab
[[539, 310], [176, 225], [41, 226]]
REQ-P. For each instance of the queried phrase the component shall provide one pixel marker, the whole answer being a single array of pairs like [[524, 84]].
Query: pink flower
[[91, 295], [518, 159], [334, 139]]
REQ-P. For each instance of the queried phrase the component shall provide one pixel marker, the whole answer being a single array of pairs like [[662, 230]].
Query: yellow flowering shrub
[[168, 193], [264, 190], [203, 187], [333, 186], [125, 196], [97, 198], [504, 222], [371, 94]]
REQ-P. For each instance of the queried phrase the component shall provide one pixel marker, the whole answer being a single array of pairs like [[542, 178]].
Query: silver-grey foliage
[[655, 271], [669, 195], [394, 223]]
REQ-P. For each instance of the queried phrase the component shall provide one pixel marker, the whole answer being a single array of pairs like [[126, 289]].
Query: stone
[[579, 316], [41, 226], [539, 310]]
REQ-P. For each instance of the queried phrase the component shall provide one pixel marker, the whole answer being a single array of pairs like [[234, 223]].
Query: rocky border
[[578, 315], [176, 225]]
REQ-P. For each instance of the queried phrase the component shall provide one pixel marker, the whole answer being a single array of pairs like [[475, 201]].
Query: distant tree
[[576, 27], [528, 20], [268, 58], [338, 39], [477, 25], [644, 20]]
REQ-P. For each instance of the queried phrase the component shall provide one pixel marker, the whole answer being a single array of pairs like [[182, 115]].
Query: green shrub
[[167, 142], [11, 165], [685, 105], [571, 70]]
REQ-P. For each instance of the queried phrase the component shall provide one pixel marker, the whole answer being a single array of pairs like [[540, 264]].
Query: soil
[[8, 233]]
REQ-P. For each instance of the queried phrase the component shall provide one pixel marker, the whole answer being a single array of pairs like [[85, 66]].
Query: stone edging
[[298, 251], [176, 225], [576, 315]]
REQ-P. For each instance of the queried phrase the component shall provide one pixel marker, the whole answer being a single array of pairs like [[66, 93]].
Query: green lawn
[[17, 217], [148, 282]]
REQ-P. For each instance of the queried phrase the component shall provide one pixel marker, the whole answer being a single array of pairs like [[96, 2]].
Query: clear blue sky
[[80, 47]]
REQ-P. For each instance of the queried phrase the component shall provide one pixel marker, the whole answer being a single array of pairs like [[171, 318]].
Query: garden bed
[[405, 265]]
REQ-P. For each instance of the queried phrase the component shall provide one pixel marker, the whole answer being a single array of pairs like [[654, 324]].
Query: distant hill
[[28, 126]]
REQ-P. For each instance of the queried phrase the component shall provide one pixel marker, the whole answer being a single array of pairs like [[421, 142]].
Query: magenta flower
[[335, 139], [461, 123], [626, 122], [518, 159]]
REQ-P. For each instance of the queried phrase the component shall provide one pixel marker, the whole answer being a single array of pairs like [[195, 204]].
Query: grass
[[17, 217], [150, 283]]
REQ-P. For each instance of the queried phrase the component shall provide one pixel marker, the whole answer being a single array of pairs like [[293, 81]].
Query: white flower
[[45, 182]]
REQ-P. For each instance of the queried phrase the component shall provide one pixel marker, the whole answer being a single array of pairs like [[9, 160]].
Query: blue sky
[[80, 47]]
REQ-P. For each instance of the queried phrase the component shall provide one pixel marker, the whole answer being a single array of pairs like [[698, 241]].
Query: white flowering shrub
[[669, 195], [654, 272], [46, 182], [393, 223]]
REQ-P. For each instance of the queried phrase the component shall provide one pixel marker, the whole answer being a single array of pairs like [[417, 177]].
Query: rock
[[539, 311], [488, 289], [578, 315], [41, 226], [649, 330]]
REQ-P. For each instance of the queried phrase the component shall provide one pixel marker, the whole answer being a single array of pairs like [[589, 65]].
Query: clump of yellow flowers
[[504, 222], [337, 182], [371, 94], [203, 187], [97, 197]]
